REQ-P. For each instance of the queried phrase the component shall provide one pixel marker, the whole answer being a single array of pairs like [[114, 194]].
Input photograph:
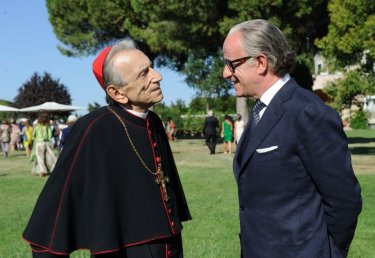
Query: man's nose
[[226, 72], [156, 76]]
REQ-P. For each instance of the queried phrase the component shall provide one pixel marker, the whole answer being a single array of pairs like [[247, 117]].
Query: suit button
[[242, 207]]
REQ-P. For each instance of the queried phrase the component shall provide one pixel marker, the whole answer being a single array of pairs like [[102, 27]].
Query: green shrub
[[359, 121]]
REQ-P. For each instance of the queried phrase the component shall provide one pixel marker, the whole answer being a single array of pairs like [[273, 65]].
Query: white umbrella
[[50, 106], [8, 109]]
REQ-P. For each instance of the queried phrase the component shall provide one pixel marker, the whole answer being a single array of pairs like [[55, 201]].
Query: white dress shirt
[[271, 92]]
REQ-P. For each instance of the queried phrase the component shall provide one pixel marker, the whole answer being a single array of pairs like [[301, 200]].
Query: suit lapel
[[239, 150], [271, 116]]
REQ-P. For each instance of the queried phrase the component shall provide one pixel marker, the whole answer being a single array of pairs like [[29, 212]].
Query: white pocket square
[[264, 150]]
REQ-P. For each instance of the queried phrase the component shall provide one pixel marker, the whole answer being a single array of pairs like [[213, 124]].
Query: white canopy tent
[[8, 109], [50, 106]]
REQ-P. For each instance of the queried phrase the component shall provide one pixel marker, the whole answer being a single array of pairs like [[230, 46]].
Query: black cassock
[[100, 196]]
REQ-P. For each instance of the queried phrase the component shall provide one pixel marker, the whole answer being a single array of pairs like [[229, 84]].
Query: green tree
[[205, 76], [301, 21], [173, 31], [346, 92], [220, 105], [168, 31], [182, 35], [351, 33], [198, 105], [94, 106], [175, 110]]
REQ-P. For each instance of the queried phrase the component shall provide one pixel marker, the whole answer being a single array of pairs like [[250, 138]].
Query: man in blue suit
[[298, 195]]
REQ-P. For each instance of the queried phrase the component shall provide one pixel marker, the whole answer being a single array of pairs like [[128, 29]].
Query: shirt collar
[[271, 92], [136, 113]]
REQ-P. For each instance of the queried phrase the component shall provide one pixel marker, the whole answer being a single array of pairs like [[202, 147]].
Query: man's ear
[[117, 94], [262, 64]]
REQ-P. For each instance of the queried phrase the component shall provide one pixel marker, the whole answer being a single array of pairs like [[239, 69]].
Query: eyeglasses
[[232, 65]]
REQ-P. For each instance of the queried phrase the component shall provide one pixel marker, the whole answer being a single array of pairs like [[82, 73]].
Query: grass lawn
[[211, 192]]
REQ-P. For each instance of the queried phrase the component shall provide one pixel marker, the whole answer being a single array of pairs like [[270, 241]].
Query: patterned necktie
[[255, 117]]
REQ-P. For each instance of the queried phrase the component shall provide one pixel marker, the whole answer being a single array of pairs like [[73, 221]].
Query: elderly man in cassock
[[115, 190]]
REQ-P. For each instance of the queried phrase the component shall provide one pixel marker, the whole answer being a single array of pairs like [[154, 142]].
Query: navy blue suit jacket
[[298, 194]]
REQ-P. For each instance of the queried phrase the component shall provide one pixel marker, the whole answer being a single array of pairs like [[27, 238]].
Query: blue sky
[[28, 45]]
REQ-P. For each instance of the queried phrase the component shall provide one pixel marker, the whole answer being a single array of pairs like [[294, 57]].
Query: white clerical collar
[[136, 113], [271, 92]]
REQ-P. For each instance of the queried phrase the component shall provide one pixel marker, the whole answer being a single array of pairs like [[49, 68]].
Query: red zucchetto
[[97, 66]]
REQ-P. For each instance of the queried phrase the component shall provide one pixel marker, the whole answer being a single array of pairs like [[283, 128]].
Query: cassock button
[[169, 211], [154, 144], [169, 252], [149, 132], [172, 224], [158, 159]]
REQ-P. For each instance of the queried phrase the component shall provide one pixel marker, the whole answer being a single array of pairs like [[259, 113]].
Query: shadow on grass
[[362, 150], [360, 140], [4, 174]]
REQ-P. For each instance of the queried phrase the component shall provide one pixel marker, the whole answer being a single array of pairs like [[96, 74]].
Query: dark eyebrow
[[144, 69]]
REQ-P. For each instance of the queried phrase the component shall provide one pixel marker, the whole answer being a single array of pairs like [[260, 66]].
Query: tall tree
[[39, 89], [168, 31], [205, 76], [173, 33], [351, 36], [301, 21]]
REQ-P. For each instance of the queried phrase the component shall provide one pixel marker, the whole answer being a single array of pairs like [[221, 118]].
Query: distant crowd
[[37, 138]]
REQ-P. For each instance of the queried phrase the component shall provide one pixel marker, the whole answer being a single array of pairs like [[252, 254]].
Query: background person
[[239, 126], [66, 131], [227, 134], [45, 158], [5, 132], [20, 134], [14, 136], [115, 189], [210, 127], [298, 195], [55, 139], [170, 128], [27, 132]]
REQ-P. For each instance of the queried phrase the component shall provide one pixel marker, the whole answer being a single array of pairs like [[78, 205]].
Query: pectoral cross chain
[[162, 180]]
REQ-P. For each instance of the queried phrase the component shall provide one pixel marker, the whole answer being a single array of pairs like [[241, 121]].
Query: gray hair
[[261, 36], [111, 75]]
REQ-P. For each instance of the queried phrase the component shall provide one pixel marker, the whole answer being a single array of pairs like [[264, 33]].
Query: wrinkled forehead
[[233, 44], [133, 56], [132, 62]]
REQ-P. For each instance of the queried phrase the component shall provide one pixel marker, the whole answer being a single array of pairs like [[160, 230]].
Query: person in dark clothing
[[210, 127], [297, 192], [115, 189], [66, 131]]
